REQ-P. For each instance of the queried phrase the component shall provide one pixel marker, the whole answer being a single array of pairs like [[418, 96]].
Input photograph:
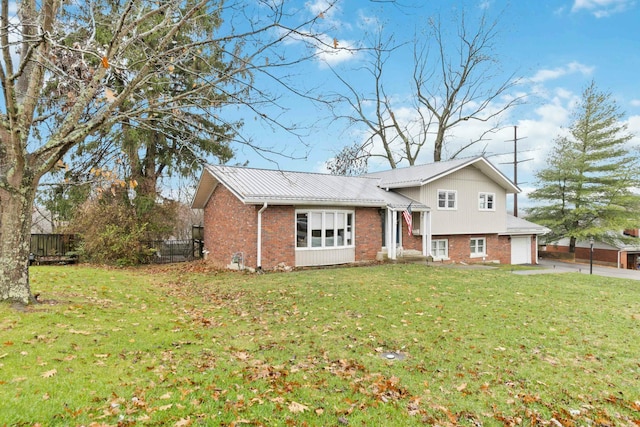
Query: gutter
[[259, 254]]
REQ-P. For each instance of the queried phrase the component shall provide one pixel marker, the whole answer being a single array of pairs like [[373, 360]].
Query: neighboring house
[[268, 218], [621, 250]]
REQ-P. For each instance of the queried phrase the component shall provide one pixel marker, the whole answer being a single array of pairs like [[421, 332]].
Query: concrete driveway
[[554, 266]]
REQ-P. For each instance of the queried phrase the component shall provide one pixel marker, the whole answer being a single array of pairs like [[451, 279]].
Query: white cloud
[[322, 8], [603, 8], [333, 51], [635, 102], [633, 126], [555, 73]]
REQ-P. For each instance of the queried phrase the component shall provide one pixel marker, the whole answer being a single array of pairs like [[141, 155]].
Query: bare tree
[[389, 137], [450, 85], [101, 54], [458, 85]]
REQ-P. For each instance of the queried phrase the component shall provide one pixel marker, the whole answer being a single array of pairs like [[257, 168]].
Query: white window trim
[[440, 258], [455, 200], [484, 246], [486, 194], [323, 236]]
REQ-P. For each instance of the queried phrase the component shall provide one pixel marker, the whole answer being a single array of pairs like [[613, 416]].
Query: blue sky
[[555, 47]]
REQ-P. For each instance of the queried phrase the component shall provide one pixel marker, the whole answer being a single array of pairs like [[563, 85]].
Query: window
[[326, 229], [416, 224], [486, 201], [478, 247], [302, 222], [446, 199], [440, 249]]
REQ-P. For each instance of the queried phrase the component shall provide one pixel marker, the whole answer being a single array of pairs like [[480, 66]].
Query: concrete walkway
[[554, 266]]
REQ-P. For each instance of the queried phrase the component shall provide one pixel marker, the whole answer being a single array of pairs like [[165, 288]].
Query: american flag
[[407, 218]]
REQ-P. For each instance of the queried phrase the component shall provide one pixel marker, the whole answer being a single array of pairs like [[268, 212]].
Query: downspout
[[259, 254]]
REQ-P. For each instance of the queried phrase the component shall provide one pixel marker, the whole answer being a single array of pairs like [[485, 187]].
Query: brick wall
[[368, 233], [498, 248], [229, 227], [600, 256], [278, 238], [557, 248]]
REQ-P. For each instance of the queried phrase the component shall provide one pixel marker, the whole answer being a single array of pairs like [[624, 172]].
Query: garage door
[[521, 250]]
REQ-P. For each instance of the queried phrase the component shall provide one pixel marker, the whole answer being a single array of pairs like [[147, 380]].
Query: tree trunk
[[437, 146], [572, 245], [15, 241]]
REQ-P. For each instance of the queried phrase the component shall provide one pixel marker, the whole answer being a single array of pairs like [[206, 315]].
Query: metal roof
[[415, 176], [517, 225], [258, 186]]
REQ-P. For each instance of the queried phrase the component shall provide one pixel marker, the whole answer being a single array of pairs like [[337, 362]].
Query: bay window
[[326, 228]]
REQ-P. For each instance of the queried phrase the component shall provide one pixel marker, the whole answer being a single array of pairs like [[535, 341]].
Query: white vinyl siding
[[466, 218]]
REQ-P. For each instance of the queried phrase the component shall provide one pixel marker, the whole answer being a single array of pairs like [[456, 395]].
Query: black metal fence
[[169, 251]]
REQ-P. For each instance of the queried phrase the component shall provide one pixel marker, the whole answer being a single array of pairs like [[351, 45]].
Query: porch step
[[413, 256]]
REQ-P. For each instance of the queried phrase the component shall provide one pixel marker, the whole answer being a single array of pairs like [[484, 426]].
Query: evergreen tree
[[586, 189]]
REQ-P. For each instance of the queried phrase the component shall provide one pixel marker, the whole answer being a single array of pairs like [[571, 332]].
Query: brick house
[[457, 211], [620, 250]]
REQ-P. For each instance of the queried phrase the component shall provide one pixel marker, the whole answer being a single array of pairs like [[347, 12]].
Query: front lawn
[[183, 345]]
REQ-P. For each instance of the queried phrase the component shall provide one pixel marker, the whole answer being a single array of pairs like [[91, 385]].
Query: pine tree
[[587, 188]]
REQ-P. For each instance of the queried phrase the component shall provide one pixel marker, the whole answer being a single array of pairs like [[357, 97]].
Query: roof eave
[[295, 201], [205, 188]]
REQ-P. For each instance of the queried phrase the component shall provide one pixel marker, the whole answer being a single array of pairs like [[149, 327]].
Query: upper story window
[[324, 229], [486, 201], [447, 199]]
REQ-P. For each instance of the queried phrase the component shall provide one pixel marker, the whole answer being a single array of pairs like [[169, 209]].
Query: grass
[[183, 345]]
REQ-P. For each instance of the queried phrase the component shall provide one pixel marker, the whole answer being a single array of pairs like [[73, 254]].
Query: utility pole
[[515, 168]]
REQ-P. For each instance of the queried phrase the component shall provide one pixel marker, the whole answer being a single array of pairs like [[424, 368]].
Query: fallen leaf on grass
[[296, 407], [73, 331], [184, 422], [165, 407], [50, 373], [461, 387], [241, 355]]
